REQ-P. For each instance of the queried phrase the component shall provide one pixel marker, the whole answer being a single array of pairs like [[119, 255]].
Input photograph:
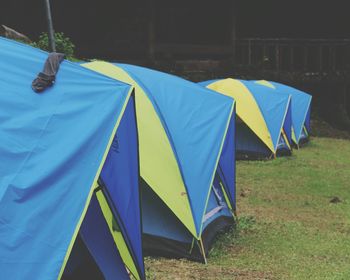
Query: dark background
[[106, 24], [202, 39]]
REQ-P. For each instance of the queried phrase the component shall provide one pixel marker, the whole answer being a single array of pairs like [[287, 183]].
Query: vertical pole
[[347, 61], [320, 58], [277, 56], [233, 30], [329, 47], [334, 58], [151, 31], [264, 55], [306, 52], [249, 52], [291, 57], [52, 43], [203, 251], [345, 87], [347, 100]]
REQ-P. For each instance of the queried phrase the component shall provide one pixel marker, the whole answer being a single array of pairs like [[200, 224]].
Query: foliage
[[246, 223], [63, 44]]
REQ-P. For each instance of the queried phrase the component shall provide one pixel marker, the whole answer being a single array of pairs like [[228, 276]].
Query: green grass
[[288, 229]]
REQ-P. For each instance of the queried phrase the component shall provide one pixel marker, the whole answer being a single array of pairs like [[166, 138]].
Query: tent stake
[[235, 213], [192, 245]]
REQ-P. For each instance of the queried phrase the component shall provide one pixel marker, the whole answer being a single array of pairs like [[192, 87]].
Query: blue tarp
[[51, 148]]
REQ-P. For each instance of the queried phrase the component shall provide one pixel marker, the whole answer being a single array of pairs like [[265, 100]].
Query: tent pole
[[203, 251], [234, 29], [235, 213], [51, 32], [151, 32], [192, 245]]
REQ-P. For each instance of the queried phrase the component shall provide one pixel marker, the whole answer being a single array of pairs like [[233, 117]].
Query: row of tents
[[115, 161]]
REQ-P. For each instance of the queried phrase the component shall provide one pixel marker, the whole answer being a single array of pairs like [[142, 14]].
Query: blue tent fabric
[[227, 167], [272, 106], [288, 123], [217, 204], [301, 103], [120, 174], [51, 148], [195, 120], [99, 241], [308, 120], [159, 220]]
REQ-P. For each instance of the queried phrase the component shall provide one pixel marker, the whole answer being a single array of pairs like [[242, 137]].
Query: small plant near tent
[[63, 44], [246, 223]]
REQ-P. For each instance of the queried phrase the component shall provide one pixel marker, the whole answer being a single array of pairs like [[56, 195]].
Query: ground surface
[[288, 226]]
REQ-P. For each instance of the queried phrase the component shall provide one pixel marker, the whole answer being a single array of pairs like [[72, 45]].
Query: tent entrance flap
[[119, 182], [94, 254], [164, 235], [248, 145], [81, 264], [227, 164]]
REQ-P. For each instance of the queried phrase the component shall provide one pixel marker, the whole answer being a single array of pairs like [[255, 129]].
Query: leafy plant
[[246, 223], [63, 44]]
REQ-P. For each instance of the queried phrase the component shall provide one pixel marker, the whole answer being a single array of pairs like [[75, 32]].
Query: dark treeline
[[126, 30]]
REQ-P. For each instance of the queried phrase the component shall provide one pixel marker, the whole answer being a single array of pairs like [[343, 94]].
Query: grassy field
[[288, 226]]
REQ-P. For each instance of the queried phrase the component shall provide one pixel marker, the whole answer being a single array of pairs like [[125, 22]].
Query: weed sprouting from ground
[[245, 223]]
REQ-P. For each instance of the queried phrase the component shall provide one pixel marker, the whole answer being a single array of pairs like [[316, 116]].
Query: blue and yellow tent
[[69, 197], [187, 159], [264, 119], [301, 110]]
